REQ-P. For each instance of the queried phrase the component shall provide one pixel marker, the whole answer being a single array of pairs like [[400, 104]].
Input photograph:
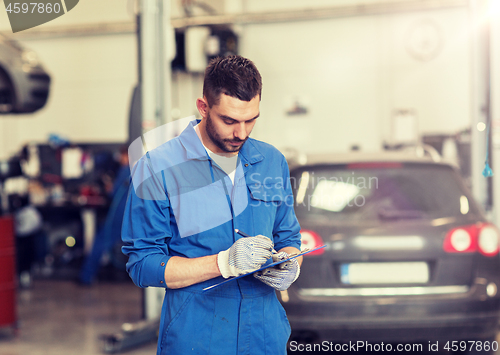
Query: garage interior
[[338, 77]]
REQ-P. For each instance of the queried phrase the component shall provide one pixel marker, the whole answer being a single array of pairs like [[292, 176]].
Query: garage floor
[[62, 318]]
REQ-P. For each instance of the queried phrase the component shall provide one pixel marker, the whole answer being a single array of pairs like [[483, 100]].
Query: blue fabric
[[240, 317]]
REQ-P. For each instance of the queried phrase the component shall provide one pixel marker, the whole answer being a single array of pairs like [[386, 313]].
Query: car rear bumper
[[448, 313], [449, 327]]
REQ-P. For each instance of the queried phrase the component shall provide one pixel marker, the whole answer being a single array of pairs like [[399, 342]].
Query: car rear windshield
[[393, 191]]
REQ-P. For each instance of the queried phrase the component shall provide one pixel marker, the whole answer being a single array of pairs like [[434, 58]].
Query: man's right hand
[[245, 255]]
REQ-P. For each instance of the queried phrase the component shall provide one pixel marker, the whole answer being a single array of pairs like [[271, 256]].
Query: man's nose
[[240, 131]]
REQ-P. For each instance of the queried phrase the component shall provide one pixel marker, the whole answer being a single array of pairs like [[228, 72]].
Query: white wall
[[353, 73], [85, 12], [287, 5]]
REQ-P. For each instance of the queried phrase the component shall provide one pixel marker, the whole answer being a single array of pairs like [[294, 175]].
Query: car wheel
[[7, 96]]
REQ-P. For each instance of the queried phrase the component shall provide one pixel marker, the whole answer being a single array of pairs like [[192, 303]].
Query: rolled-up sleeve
[[286, 230], [146, 227]]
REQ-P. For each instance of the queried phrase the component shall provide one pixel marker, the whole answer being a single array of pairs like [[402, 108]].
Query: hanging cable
[[487, 172]]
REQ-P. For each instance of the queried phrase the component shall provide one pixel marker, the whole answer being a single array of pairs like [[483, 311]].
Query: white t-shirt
[[227, 162]]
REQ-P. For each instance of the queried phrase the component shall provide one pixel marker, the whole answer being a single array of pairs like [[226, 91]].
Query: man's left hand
[[281, 276]]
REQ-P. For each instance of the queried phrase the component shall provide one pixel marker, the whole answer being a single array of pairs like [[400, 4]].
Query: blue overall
[[182, 204]]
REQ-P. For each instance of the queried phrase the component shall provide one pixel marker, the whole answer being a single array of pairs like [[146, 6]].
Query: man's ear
[[202, 106]]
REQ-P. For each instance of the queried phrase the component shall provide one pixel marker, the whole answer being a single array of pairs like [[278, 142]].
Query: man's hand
[[245, 255], [281, 276]]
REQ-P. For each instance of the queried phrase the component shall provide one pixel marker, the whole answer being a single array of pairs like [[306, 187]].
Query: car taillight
[[488, 240], [311, 240], [461, 240], [468, 239]]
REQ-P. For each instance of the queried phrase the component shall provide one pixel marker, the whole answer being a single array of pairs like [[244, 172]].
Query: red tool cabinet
[[7, 272]]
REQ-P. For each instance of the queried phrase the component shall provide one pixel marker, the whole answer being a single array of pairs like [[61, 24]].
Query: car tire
[[7, 93]]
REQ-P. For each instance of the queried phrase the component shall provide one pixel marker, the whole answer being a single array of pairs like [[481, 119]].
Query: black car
[[24, 83], [409, 254]]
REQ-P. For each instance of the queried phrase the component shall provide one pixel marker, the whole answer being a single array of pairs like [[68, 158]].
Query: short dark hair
[[234, 76]]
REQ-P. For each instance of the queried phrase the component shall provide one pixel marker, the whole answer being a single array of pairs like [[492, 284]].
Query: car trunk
[[401, 254]]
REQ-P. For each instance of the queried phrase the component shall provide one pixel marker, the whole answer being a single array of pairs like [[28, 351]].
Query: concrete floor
[[62, 318]]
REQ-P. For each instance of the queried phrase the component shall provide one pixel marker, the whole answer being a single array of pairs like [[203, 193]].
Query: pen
[[241, 233], [246, 236]]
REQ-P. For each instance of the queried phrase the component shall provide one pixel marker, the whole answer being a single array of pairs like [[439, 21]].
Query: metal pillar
[[494, 23], [155, 84], [154, 69]]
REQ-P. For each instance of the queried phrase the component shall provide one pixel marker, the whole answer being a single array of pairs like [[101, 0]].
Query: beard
[[221, 143]]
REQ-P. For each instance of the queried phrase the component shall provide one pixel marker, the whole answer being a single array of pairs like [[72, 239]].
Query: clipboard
[[306, 251]]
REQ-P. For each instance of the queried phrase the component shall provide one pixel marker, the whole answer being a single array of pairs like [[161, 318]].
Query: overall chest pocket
[[264, 202]]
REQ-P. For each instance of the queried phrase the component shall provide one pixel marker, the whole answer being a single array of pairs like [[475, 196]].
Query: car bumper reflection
[[382, 291]]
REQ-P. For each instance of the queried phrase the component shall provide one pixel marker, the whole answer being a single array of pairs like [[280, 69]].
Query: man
[[109, 234], [188, 197]]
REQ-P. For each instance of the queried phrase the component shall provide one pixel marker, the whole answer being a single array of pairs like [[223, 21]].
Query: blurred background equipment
[[31, 240], [24, 88], [109, 235]]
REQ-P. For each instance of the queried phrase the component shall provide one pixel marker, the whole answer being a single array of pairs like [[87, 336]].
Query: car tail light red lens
[[311, 240], [461, 240], [480, 237]]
